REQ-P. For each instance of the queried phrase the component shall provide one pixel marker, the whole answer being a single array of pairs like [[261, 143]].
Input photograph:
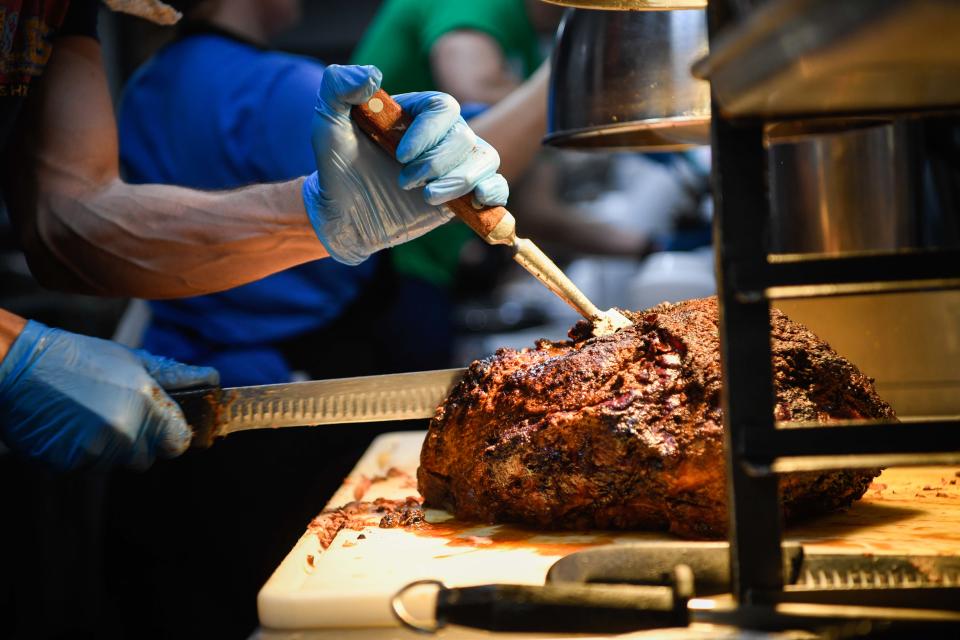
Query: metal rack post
[[748, 279]]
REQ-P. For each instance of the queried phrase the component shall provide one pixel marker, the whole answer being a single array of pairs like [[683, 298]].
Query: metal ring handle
[[400, 612]]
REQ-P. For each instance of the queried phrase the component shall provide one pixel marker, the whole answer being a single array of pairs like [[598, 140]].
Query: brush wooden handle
[[385, 122]]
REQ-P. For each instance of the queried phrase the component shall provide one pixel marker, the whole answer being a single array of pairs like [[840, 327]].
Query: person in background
[[485, 54], [481, 53]]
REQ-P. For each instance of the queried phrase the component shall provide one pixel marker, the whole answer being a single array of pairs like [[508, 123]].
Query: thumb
[[170, 433], [347, 85], [171, 374]]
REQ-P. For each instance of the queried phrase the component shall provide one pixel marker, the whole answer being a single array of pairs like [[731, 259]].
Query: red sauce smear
[[408, 514]]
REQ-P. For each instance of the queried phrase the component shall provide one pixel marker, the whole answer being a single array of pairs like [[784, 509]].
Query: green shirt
[[399, 42]]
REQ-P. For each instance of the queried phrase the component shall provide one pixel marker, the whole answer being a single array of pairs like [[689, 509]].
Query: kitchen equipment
[[841, 185], [655, 584], [837, 184], [599, 608], [916, 377], [802, 57], [384, 121], [632, 5], [350, 584], [930, 580], [809, 58], [569, 608], [213, 412], [621, 80]]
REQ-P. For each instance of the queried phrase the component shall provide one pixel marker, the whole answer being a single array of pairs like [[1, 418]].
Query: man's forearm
[[178, 242], [85, 230], [10, 327]]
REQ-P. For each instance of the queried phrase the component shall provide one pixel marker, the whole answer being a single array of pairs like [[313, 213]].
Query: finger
[[167, 432], [481, 163], [440, 159], [434, 113], [181, 376], [492, 191], [171, 374], [346, 85]]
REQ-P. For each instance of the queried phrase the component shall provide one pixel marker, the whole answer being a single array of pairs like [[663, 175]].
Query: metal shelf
[[786, 276], [853, 444], [792, 58]]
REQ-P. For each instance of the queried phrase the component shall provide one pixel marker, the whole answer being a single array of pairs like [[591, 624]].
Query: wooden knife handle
[[201, 408], [385, 122]]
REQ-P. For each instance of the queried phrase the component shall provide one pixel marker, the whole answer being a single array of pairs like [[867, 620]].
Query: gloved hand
[[361, 200], [71, 400]]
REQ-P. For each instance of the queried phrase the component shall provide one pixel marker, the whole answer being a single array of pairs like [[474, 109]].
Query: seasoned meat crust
[[625, 431]]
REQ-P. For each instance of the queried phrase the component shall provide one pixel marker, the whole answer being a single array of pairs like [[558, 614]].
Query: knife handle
[[385, 122], [557, 608], [200, 406]]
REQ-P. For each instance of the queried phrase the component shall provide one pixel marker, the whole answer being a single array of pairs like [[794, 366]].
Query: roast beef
[[625, 431]]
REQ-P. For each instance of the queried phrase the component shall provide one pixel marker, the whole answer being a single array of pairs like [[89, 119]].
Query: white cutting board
[[350, 583]]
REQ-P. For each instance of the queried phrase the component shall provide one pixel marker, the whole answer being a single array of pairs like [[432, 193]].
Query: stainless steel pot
[[632, 5], [621, 80], [841, 186]]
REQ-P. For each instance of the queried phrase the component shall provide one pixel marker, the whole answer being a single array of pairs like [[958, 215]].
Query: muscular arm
[[85, 230]]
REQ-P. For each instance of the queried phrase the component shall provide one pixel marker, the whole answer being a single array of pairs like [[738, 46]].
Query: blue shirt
[[213, 112]]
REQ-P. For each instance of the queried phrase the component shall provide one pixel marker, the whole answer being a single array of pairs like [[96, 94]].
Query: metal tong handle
[[569, 608]]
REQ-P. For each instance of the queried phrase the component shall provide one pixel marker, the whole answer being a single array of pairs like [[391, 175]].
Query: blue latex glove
[[361, 200], [72, 400]]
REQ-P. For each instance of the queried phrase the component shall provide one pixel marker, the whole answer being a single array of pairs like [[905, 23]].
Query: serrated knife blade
[[213, 412]]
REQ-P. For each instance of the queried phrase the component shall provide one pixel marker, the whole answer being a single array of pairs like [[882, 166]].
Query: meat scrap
[[408, 515], [364, 482], [357, 515], [363, 485], [625, 431]]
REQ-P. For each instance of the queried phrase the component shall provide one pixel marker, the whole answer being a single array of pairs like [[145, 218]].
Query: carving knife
[[384, 121], [213, 412]]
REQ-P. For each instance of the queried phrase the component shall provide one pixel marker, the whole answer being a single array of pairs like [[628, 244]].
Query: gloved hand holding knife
[[71, 401]]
